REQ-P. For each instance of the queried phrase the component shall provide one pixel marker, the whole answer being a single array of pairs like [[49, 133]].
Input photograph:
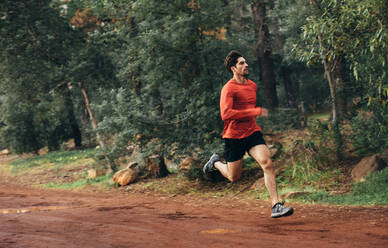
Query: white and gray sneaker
[[209, 166], [278, 210]]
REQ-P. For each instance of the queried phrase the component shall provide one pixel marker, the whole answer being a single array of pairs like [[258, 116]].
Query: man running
[[241, 132]]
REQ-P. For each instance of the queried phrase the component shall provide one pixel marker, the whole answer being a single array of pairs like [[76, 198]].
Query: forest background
[[148, 73]]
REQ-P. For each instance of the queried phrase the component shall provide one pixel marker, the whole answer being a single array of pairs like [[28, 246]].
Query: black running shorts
[[236, 148]]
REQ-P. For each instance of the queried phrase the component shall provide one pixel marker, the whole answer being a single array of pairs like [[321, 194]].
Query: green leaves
[[352, 30], [170, 79], [35, 46]]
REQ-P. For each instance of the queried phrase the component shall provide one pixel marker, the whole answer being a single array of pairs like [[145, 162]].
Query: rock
[[367, 166], [125, 176], [156, 167], [4, 152], [43, 151], [70, 144], [93, 173], [186, 163]]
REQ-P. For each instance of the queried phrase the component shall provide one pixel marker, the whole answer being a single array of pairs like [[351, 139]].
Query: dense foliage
[[150, 72], [34, 48]]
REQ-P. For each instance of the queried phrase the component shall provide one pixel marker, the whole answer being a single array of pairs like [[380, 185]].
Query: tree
[[170, 62], [338, 31], [263, 51], [303, 85], [34, 44]]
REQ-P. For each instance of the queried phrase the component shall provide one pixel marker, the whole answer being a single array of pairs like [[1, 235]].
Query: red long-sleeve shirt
[[238, 109]]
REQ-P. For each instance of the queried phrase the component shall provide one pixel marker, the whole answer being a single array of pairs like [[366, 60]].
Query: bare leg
[[231, 170], [262, 155]]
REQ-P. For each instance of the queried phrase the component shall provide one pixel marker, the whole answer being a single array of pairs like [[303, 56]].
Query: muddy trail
[[31, 217]]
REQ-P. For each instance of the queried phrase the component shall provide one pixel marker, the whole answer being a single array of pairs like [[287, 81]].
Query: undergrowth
[[101, 182], [53, 160], [308, 175], [310, 170], [370, 192]]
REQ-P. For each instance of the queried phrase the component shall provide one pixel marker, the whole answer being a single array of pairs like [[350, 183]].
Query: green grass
[[301, 176], [54, 160], [322, 116], [103, 181], [305, 174], [370, 192], [249, 162]]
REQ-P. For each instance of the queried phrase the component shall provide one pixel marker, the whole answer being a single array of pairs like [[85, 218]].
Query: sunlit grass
[[102, 181], [321, 117], [53, 160], [299, 177], [370, 192]]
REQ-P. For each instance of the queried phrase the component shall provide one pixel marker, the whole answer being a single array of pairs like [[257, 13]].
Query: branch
[[57, 87]]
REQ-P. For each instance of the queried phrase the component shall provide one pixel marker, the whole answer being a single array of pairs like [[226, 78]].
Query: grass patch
[[102, 181], [67, 170], [249, 162], [54, 160], [305, 175], [370, 192], [321, 117]]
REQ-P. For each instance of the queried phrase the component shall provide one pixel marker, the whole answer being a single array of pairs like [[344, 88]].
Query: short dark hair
[[231, 59]]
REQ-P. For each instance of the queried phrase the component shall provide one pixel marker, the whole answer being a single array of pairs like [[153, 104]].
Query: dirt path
[[51, 218]]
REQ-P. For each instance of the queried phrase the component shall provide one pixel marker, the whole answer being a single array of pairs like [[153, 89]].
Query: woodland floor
[[33, 217]]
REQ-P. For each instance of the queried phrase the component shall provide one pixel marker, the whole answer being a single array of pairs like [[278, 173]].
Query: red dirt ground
[[31, 217]]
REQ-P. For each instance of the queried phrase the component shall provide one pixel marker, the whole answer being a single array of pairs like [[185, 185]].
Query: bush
[[27, 127], [370, 132]]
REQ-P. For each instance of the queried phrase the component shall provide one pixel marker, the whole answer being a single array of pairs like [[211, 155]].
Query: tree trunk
[[332, 86], [290, 90], [278, 42], [290, 87], [333, 94], [334, 102], [263, 53], [94, 126], [340, 84], [76, 132]]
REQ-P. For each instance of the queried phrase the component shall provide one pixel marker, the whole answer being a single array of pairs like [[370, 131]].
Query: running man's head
[[236, 64]]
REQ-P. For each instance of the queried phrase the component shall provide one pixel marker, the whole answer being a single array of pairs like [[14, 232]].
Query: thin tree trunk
[[334, 100], [93, 121], [263, 53], [332, 86], [340, 84]]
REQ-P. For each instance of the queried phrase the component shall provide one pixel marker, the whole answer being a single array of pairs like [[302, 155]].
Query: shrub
[[370, 132]]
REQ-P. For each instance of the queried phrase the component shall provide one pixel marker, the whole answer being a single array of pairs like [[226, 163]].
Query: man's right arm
[[227, 111]]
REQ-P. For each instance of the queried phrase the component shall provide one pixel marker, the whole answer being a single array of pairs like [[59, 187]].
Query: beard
[[246, 75]]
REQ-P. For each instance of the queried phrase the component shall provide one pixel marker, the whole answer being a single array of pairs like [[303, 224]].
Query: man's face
[[241, 67]]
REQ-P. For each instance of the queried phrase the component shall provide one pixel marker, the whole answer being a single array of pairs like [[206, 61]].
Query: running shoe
[[278, 210], [209, 166]]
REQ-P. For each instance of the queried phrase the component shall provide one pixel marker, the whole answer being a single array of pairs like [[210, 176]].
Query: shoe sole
[[284, 214], [206, 169]]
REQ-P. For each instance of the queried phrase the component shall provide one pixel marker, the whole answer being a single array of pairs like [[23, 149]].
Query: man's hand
[[264, 112]]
